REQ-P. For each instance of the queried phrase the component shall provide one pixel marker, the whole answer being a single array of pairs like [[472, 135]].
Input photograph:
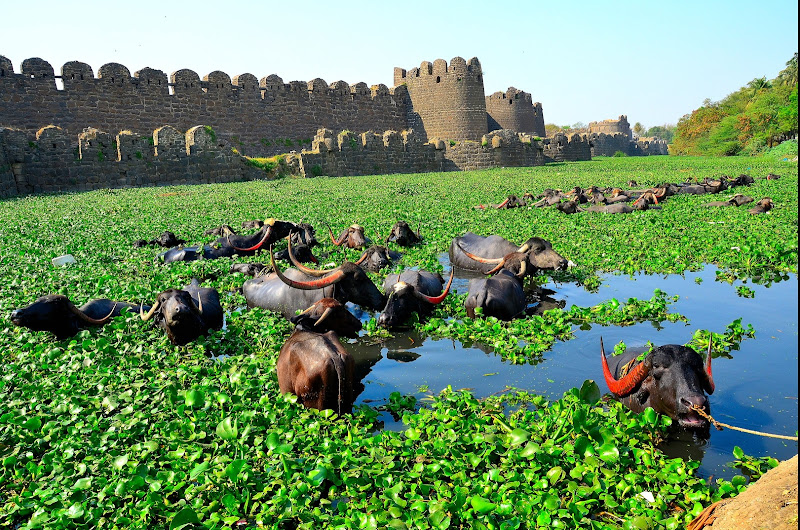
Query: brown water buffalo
[[411, 292], [224, 230], [402, 234], [313, 364], [485, 254], [671, 379], [186, 313], [352, 237], [617, 207], [167, 240], [58, 315], [570, 206], [762, 206]]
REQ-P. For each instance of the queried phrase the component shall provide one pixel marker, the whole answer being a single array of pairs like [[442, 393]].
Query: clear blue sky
[[585, 61]]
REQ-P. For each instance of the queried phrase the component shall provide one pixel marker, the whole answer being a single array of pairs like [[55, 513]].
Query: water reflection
[[757, 386]]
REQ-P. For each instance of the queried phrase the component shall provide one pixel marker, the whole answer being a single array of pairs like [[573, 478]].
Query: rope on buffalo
[[719, 425]]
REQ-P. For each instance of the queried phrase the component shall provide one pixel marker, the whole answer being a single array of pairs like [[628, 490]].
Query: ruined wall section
[[563, 148], [445, 101], [620, 125], [649, 145], [347, 154], [515, 110], [603, 144], [52, 161], [258, 118]]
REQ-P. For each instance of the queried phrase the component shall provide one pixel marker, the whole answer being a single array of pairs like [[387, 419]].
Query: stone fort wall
[[54, 160], [603, 144], [619, 125], [258, 118], [515, 110]]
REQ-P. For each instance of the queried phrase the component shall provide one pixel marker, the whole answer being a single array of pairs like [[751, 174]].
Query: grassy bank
[[117, 428]]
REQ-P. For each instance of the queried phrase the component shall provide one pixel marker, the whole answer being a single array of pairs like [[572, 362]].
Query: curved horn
[[479, 259], [708, 366], [624, 386], [325, 314], [502, 203], [303, 268], [524, 248], [256, 246], [333, 240], [199, 304], [150, 313], [89, 320], [436, 299], [496, 269], [310, 285], [363, 257], [522, 267]]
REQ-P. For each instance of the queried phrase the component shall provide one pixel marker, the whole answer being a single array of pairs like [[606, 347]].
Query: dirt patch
[[769, 503]]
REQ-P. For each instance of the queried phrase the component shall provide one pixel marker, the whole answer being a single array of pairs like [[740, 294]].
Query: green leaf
[[75, 511], [198, 470], [608, 453], [195, 398], [555, 474], [82, 484], [184, 518], [737, 452], [517, 436], [120, 462], [227, 429], [589, 392], [481, 505]]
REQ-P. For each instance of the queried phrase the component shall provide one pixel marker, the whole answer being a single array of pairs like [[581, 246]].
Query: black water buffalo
[[273, 230], [402, 234], [411, 292], [570, 206], [194, 253], [485, 254], [762, 206], [736, 200], [352, 237], [167, 240], [58, 315], [671, 379], [291, 290], [250, 269], [548, 197], [374, 258], [617, 207], [304, 234], [301, 251], [255, 223], [313, 364], [500, 296], [186, 313]]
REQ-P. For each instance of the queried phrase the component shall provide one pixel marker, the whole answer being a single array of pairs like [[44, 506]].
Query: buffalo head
[[402, 234], [183, 318], [406, 298], [353, 237], [671, 380], [328, 315]]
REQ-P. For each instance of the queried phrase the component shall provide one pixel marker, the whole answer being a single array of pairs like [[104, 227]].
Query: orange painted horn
[[310, 285], [436, 299], [302, 268], [708, 366], [490, 261], [624, 386]]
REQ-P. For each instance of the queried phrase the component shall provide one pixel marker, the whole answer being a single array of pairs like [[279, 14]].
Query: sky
[[584, 61]]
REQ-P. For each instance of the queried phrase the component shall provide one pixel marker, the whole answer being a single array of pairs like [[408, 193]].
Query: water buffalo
[[617, 207], [352, 237], [291, 290], [313, 364], [762, 206], [485, 254], [549, 197], [58, 315], [224, 230], [570, 206], [736, 200], [255, 223], [402, 234], [196, 252], [250, 269], [411, 292], [671, 379], [500, 296], [302, 253], [167, 240], [186, 313], [273, 230]]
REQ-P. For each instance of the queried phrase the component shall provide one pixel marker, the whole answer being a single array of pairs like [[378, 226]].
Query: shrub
[[619, 154]]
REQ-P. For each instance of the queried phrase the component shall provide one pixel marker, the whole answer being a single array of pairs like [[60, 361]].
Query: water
[[755, 389]]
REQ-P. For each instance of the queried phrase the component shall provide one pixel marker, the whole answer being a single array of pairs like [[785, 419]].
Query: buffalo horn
[[254, 247], [310, 285], [491, 261], [150, 313], [436, 299], [524, 248], [303, 268], [325, 314], [624, 386], [522, 266], [502, 203], [333, 240], [363, 257], [86, 318], [708, 367]]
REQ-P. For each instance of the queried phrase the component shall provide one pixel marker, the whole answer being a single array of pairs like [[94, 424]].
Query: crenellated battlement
[[514, 109], [256, 117], [52, 160], [619, 125]]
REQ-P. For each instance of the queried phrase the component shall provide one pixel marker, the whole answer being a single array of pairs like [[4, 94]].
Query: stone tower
[[515, 110], [446, 101]]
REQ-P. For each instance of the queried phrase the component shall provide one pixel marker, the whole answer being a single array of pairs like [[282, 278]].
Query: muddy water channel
[[757, 388]]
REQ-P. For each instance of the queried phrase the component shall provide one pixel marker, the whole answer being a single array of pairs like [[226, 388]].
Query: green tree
[[665, 132], [757, 85], [788, 76]]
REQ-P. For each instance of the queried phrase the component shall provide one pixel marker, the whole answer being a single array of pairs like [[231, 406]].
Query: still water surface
[[756, 389]]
